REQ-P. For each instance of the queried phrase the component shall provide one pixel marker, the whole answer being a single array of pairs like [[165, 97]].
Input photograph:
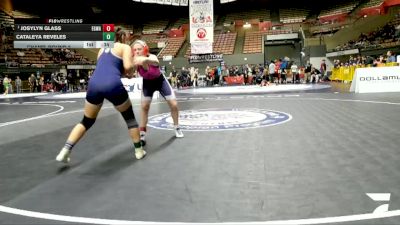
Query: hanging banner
[[206, 58], [201, 21], [201, 48]]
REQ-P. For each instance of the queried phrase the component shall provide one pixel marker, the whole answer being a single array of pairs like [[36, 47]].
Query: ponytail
[[119, 35]]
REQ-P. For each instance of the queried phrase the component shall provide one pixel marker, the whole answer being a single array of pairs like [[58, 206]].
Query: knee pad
[[87, 122], [129, 118]]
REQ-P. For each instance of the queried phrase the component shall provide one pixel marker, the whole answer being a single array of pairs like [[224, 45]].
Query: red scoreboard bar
[[108, 27]]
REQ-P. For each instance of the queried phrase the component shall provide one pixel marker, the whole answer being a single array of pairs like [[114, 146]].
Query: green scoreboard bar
[[108, 36]]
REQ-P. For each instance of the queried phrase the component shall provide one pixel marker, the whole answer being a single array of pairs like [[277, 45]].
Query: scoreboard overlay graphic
[[62, 33]]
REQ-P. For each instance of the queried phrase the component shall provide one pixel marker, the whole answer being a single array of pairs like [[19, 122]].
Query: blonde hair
[[140, 42]]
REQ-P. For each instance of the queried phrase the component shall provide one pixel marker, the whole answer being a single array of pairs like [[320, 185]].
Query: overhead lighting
[[247, 25]]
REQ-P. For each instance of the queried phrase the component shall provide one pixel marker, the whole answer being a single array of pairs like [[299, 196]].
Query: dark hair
[[119, 35]]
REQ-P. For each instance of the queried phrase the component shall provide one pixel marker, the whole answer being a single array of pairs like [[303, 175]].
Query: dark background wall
[[273, 52], [317, 51]]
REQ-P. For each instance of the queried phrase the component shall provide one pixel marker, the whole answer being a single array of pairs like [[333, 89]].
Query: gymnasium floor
[[312, 154]]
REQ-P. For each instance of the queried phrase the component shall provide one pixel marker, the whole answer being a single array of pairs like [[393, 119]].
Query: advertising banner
[[375, 80], [206, 58], [201, 22]]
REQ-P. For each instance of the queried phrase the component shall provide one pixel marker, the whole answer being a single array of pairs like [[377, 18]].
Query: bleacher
[[180, 22], [32, 57], [23, 15], [343, 8], [124, 27], [173, 46], [372, 3], [253, 40], [6, 20], [293, 15], [35, 58], [325, 30], [155, 27], [223, 43], [26, 57], [260, 15], [153, 38], [371, 7]]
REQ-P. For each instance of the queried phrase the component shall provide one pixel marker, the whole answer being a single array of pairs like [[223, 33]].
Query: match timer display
[[58, 33]]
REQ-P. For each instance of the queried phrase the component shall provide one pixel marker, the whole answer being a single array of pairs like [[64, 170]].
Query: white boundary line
[[72, 219], [22, 95], [352, 100], [207, 99], [254, 89], [31, 118]]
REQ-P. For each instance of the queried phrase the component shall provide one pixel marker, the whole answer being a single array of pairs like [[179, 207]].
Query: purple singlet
[[153, 72]]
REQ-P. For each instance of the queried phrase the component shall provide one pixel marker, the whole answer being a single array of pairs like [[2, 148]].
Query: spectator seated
[[386, 36]]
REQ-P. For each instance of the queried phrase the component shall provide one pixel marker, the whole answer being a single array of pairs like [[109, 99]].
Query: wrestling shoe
[[63, 156], [178, 133], [140, 153]]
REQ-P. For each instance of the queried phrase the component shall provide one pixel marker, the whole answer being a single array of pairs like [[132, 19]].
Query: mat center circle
[[220, 119]]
